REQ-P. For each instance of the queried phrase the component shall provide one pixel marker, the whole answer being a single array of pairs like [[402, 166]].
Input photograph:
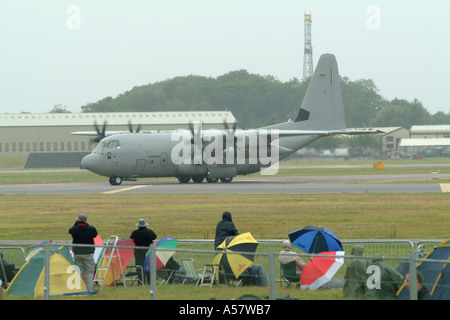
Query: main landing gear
[[199, 179], [116, 181]]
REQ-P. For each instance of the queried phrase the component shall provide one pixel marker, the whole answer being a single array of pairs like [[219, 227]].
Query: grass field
[[194, 216], [350, 216]]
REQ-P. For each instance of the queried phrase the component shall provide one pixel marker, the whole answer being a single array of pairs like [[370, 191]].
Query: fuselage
[[157, 154]]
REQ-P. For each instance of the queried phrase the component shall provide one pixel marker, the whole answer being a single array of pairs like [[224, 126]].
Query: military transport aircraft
[[222, 154]]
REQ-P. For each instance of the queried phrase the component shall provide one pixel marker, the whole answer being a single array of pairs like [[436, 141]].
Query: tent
[[436, 274], [29, 280]]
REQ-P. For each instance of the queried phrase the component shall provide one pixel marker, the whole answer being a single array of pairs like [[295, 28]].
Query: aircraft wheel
[[198, 179], [115, 181], [212, 180], [226, 179], [184, 179]]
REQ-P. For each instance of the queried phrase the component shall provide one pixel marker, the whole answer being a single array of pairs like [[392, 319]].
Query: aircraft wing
[[355, 131], [294, 133], [94, 133]]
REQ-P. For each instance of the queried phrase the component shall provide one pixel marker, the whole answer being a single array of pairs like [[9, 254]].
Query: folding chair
[[165, 274], [228, 277], [191, 272], [133, 274], [209, 273], [287, 273]]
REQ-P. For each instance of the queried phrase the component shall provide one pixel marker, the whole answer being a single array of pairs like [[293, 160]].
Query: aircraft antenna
[[307, 58]]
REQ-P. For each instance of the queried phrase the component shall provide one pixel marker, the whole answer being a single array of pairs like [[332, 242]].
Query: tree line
[[257, 100]]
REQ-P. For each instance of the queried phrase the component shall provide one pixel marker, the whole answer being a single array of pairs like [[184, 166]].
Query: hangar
[[432, 140], [428, 141], [433, 131], [46, 139]]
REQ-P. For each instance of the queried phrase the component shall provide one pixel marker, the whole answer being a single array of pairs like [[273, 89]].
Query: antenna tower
[[307, 58]]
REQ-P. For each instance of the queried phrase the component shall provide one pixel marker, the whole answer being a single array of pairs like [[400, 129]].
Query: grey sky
[[76, 52]]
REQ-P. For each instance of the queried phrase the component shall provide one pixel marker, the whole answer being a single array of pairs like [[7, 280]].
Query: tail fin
[[322, 107]]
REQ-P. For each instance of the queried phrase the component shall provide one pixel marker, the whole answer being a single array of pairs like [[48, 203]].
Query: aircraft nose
[[88, 162]]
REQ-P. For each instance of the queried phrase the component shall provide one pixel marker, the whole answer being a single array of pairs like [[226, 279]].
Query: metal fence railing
[[393, 253]]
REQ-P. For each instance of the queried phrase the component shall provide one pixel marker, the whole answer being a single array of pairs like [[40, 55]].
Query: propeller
[[196, 135], [229, 140], [197, 141], [225, 124], [100, 134], [130, 127], [230, 133]]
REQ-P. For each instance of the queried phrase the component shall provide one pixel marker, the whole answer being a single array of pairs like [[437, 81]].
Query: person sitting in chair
[[287, 255]]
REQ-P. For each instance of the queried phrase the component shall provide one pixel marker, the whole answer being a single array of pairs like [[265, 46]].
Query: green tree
[[361, 102], [440, 118], [403, 114], [59, 108]]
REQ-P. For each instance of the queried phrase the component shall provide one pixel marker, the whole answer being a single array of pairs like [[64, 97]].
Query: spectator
[[355, 275], [83, 233], [287, 255], [422, 291], [143, 237], [224, 229], [383, 281]]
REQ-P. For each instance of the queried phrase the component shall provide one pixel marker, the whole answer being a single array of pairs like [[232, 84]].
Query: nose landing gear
[[115, 181]]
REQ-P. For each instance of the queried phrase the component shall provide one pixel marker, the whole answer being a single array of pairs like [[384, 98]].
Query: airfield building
[[390, 140], [47, 141], [428, 141]]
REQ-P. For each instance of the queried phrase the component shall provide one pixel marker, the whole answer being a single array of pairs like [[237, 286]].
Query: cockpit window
[[103, 145], [113, 144]]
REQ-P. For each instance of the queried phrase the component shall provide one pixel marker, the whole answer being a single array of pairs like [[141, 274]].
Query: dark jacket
[[143, 237], [83, 233], [225, 228], [424, 294]]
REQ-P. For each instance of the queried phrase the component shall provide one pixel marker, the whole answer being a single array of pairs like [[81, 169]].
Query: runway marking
[[124, 189], [445, 187]]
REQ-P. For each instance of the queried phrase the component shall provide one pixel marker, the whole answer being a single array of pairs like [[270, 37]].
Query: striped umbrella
[[236, 263], [312, 239]]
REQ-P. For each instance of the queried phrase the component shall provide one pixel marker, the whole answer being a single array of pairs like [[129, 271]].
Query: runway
[[246, 185]]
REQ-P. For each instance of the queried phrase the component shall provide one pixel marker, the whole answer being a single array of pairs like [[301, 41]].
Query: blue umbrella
[[312, 239]]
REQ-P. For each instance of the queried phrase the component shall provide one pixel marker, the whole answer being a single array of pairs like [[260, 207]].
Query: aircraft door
[[140, 164]]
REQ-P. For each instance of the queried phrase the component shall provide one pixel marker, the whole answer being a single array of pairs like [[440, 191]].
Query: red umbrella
[[320, 270]]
